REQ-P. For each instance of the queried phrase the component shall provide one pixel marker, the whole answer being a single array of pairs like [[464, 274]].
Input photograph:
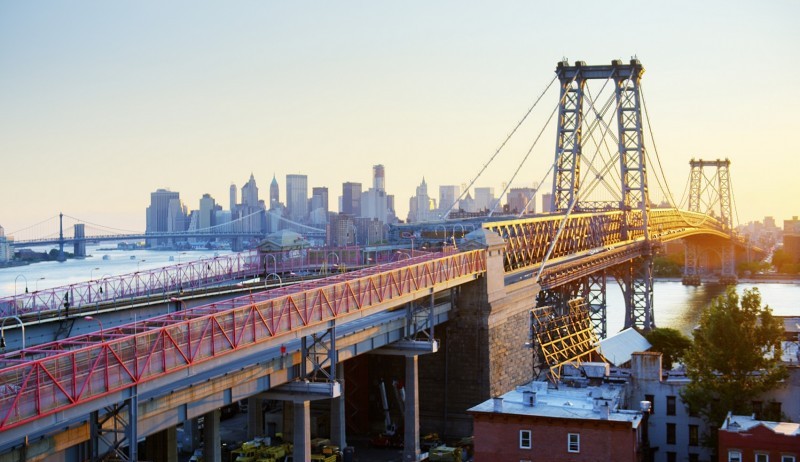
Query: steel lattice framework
[[54, 377], [699, 185]]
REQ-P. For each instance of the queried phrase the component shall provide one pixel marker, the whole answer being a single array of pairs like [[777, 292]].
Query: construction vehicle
[[445, 453]]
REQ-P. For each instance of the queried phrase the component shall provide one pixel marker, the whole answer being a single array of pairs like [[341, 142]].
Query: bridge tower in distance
[[637, 277], [699, 182]]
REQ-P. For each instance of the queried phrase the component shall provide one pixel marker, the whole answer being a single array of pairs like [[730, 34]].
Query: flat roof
[[618, 348], [738, 423], [564, 403]]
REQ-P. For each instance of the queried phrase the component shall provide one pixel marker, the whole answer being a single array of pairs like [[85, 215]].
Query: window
[[652, 400], [670, 433], [761, 457], [524, 439], [670, 405], [734, 456], [573, 442], [694, 435], [758, 409], [671, 457], [788, 459], [694, 457], [774, 410]]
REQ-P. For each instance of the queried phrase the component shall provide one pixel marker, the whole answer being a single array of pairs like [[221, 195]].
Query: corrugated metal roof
[[618, 348]]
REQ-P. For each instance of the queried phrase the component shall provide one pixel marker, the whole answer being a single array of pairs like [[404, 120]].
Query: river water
[[676, 305]]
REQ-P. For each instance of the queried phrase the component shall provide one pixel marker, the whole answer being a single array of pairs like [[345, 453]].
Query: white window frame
[[788, 459], [523, 435], [764, 455], [737, 454], [574, 446]]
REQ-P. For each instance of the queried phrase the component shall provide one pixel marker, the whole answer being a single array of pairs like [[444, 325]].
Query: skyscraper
[[250, 193], [319, 205], [378, 178], [420, 206], [274, 193], [297, 197], [351, 199], [521, 200], [206, 215], [232, 198], [448, 196], [484, 198], [547, 203], [158, 214]]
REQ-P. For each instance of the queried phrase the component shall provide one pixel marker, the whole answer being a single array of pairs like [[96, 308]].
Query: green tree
[[734, 358], [671, 343]]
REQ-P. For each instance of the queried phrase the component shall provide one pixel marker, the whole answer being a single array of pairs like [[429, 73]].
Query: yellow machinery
[[445, 453]]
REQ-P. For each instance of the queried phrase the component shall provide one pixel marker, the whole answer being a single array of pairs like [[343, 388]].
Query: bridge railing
[[54, 377], [127, 288]]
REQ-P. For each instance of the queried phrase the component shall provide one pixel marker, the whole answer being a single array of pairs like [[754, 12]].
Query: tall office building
[[378, 178], [351, 199], [6, 249], [274, 193], [205, 218], [521, 200], [448, 196], [421, 205], [297, 197], [157, 220], [250, 193], [484, 198], [547, 203], [319, 205]]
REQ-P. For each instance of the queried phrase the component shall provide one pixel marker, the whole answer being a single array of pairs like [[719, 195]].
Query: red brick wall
[[497, 439], [758, 439]]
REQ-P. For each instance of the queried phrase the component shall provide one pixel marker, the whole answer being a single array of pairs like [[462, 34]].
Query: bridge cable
[[525, 158], [502, 145], [80, 220], [563, 222], [607, 166], [33, 225]]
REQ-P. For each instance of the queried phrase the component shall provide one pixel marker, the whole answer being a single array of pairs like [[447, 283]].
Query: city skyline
[[91, 102]]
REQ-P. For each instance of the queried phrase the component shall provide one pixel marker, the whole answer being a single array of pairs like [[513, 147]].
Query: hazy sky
[[103, 102]]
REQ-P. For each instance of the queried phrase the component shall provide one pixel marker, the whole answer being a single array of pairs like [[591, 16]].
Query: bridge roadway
[[54, 386]]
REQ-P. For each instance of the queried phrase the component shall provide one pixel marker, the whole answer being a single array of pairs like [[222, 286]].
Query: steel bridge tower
[[636, 279], [699, 183]]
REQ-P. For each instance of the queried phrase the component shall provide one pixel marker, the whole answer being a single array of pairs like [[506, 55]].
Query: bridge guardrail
[[54, 377]]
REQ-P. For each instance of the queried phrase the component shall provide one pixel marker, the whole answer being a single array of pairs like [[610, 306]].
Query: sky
[[103, 102]]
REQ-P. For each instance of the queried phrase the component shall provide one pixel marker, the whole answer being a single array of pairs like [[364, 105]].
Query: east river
[[676, 305]]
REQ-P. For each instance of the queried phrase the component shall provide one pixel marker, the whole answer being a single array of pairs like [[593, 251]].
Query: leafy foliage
[[671, 343], [734, 358]]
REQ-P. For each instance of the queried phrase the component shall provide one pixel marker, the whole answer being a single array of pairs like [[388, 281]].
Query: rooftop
[[740, 423], [584, 403]]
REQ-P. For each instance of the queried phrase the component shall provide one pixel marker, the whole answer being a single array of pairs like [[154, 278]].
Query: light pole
[[91, 273], [2, 332], [91, 318], [179, 257], [15, 283], [274, 262], [335, 255], [139, 263], [266, 279], [36, 284]]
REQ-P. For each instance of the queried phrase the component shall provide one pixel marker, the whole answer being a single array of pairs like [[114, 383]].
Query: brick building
[[746, 439], [538, 423]]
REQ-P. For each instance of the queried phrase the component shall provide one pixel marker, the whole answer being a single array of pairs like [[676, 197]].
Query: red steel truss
[[53, 377]]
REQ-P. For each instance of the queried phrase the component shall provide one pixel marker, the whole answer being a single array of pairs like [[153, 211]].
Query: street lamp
[[280, 281], [180, 302], [91, 318], [91, 272], [179, 257], [36, 284], [15, 283], [2, 333], [139, 263]]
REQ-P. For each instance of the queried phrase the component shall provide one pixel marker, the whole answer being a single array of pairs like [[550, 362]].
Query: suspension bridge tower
[[635, 278], [705, 191]]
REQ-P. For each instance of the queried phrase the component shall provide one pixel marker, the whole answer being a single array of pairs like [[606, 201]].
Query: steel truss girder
[[636, 282], [318, 350], [419, 321], [561, 336], [690, 259], [114, 431]]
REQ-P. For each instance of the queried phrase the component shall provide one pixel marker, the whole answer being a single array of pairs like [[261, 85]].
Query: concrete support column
[[191, 436], [302, 430], [212, 448], [162, 446], [255, 417], [411, 449], [338, 433]]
